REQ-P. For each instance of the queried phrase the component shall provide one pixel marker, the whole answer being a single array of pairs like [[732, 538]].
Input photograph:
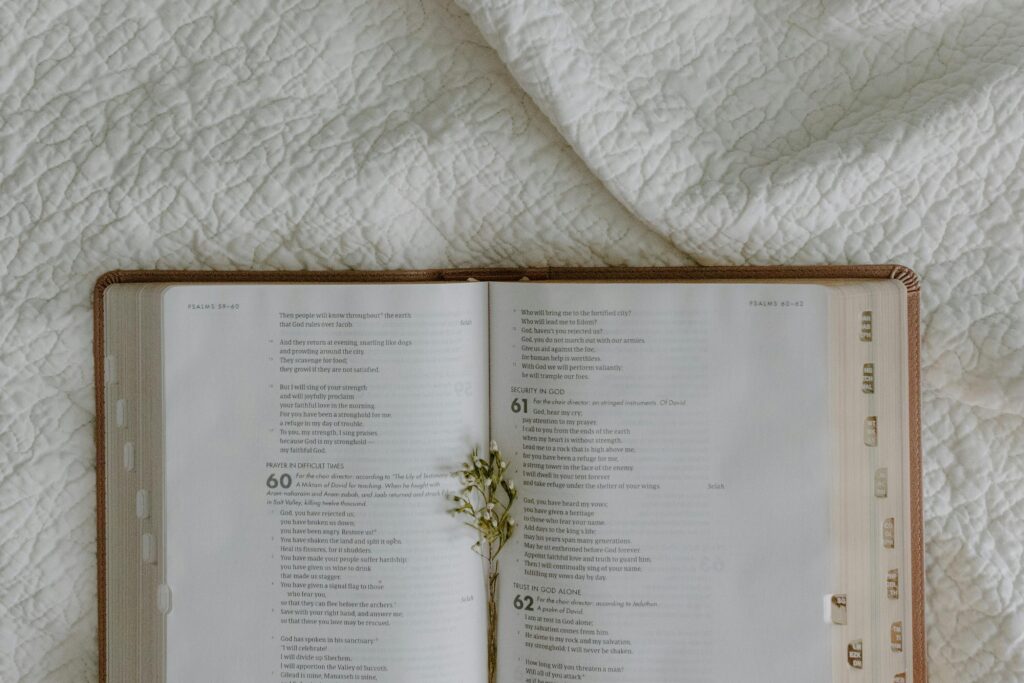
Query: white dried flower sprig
[[485, 501]]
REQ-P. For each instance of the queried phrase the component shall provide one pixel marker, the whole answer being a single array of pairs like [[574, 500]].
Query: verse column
[[317, 535]]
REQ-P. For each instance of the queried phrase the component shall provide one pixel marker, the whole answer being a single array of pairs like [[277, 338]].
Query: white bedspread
[[406, 133]]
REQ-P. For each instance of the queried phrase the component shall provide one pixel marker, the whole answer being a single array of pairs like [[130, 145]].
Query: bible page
[[671, 445], [310, 435]]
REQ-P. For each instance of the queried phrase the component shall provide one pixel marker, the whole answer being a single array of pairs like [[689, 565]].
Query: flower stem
[[492, 621]]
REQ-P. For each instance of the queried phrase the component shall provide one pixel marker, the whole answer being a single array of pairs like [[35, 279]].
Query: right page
[[671, 444]]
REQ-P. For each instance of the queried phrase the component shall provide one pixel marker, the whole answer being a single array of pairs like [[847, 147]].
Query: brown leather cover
[[682, 273]]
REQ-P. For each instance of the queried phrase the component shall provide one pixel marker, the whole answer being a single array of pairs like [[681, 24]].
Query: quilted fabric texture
[[393, 133]]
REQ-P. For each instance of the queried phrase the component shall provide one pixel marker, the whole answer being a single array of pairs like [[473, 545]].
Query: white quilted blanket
[[408, 133]]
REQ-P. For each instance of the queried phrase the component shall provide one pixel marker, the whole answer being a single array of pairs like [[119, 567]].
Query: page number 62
[[523, 602]]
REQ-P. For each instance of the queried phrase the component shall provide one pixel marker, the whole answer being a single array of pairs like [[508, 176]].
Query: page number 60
[[283, 481]]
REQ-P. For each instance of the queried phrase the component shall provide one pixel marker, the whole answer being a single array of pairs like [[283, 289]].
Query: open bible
[[718, 475]]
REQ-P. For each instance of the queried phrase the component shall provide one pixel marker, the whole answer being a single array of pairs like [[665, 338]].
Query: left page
[[311, 432]]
